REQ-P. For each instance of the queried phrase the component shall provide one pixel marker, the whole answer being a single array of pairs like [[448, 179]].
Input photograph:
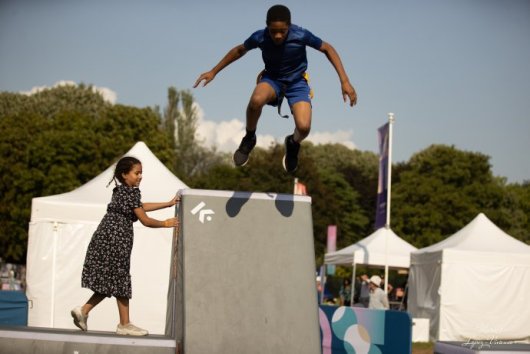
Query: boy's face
[[278, 31]]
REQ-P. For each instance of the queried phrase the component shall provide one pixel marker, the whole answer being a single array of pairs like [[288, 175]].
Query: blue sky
[[453, 72]]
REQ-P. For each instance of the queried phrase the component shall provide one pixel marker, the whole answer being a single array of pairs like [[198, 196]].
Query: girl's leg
[[126, 327], [94, 300], [80, 313], [123, 309]]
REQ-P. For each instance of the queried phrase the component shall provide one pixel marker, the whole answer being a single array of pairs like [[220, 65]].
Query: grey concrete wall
[[247, 274]]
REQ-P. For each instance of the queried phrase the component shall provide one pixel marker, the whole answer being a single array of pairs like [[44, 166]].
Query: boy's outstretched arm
[[232, 55], [333, 57]]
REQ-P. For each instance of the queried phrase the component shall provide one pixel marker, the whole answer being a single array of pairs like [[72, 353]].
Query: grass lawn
[[422, 348]]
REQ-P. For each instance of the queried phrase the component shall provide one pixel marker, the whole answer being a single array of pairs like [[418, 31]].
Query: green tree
[[180, 123], [16, 181], [339, 193], [516, 221], [188, 151], [358, 168], [52, 145], [170, 116], [261, 174], [439, 191], [50, 101]]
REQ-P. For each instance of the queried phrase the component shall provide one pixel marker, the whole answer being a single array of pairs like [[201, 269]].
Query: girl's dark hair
[[124, 166], [279, 13]]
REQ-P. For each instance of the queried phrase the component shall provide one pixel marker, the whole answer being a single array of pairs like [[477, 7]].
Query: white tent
[[474, 285], [60, 229], [383, 247]]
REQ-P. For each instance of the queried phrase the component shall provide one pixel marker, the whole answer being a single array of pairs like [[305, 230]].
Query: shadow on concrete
[[236, 202], [284, 203]]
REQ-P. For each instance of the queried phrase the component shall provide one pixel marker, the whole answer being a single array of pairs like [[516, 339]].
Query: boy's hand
[[206, 77], [349, 92]]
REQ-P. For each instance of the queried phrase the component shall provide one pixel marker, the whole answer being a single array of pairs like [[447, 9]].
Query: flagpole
[[389, 168], [388, 193]]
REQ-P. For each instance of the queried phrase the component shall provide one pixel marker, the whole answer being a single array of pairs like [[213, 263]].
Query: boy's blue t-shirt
[[286, 62]]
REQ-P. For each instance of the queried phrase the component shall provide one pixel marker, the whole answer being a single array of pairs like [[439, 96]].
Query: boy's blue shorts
[[294, 92]]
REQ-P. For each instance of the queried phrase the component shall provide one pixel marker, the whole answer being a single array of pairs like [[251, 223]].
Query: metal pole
[[389, 168], [54, 271], [389, 182], [353, 281]]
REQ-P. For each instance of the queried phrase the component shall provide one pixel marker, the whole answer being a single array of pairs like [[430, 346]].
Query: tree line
[[58, 139]]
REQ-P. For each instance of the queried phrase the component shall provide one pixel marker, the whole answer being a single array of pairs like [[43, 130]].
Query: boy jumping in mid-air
[[283, 47]]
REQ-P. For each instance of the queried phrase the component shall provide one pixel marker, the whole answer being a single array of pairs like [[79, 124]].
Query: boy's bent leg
[[302, 113], [263, 93], [302, 119]]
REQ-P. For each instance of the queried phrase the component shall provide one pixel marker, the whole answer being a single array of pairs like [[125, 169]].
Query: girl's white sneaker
[[131, 330], [79, 318]]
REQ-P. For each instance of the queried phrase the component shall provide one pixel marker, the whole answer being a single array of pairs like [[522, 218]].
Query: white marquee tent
[[474, 285], [383, 248], [60, 229], [380, 248]]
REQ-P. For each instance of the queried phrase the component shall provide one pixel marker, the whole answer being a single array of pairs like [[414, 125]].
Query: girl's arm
[[157, 206], [150, 222]]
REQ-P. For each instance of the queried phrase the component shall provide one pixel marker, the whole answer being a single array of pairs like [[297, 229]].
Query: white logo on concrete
[[203, 213]]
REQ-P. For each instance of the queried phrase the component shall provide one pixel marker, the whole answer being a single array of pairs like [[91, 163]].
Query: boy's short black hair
[[279, 13]]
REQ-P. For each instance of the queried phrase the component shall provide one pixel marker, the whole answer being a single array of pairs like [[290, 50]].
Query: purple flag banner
[[382, 184]]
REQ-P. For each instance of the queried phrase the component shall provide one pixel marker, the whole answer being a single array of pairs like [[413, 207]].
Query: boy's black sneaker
[[241, 155], [290, 159]]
